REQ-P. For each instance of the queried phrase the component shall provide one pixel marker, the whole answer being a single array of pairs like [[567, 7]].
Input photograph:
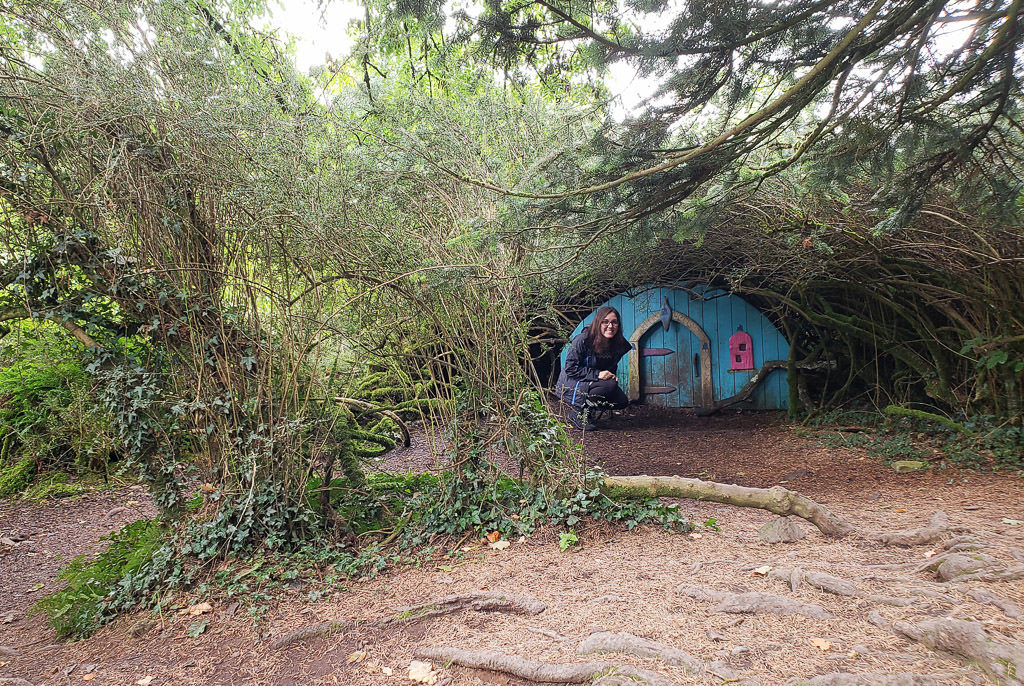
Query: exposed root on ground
[[844, 679], [478, 602], [1001, 659], [619, 642], [937, 527], [1004, 574], [776, 499], [825, 582], [318, 630], [1009, 608], [965, 558], [753, 603], [541, 672]]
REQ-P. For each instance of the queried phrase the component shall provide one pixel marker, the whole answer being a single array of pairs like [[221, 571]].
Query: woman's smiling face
[[610, 325]]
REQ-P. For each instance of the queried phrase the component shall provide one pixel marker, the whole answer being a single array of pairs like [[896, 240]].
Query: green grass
[[97, 589]]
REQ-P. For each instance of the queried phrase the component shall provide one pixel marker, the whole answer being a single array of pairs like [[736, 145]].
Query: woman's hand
[[604, 374]]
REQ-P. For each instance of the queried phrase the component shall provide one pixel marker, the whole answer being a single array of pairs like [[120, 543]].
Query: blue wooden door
[[671, 380]]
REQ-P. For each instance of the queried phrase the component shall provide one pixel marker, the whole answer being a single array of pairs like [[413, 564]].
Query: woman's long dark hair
[[598, 343]]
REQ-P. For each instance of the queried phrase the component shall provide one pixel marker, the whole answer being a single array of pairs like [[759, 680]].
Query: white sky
[[322, 32], [319, 32]]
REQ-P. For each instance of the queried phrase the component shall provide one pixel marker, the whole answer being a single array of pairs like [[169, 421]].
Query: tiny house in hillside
[[698, 347]]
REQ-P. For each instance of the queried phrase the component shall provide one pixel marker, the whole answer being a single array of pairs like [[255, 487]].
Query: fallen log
[[776, 499]]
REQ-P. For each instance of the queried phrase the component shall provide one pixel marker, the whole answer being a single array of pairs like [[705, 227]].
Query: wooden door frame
[[707, 388]]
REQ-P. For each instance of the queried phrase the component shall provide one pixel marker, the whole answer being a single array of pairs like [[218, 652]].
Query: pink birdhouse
[[741, 350]]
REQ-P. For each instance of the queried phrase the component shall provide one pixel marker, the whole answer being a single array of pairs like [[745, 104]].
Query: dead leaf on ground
[[762, 571], [199, 609], [145, 681], [500, 545], [357, 657], [88, 677], [494, 536], [821, 644], [422, 672]]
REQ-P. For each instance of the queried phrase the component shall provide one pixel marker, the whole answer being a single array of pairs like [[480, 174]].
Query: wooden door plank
[[655, 352]]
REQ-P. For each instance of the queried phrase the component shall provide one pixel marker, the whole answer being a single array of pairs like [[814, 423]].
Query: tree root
[[937, 527], [823, 582], [1009, 608], [753, 603], [319, 630], [891, 600], [957, 566], [478, 602], [543, 672], [1003, 574], [1003, 660], [844, 679], [776, 499], [618, 642]]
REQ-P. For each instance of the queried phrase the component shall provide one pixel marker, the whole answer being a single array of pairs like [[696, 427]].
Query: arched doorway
[[671, 367]]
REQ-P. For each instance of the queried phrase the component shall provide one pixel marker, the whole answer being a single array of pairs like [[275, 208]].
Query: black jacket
[[582, 365]]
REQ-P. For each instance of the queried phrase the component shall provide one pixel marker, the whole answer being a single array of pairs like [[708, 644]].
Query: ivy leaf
[[197, 628]]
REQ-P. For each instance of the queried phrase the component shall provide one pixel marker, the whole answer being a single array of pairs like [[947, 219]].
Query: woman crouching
[[588, 382]]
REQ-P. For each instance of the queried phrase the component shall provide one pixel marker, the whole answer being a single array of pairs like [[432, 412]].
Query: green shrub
[[48, 408], [98, 589], [16, 477], [416, 507], [901, 434]]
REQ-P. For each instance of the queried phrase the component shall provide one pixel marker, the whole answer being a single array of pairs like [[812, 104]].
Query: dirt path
[[614, 580]]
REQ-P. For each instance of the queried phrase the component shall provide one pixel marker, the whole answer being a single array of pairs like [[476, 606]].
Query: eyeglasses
[[609, 322]]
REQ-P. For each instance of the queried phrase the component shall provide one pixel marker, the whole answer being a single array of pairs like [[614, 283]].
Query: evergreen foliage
[[235, 249]]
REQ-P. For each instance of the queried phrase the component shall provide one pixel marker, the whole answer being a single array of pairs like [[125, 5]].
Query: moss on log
[[777, 499]]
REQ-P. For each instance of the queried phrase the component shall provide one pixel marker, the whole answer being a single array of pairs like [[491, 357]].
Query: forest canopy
[[259, 276]]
